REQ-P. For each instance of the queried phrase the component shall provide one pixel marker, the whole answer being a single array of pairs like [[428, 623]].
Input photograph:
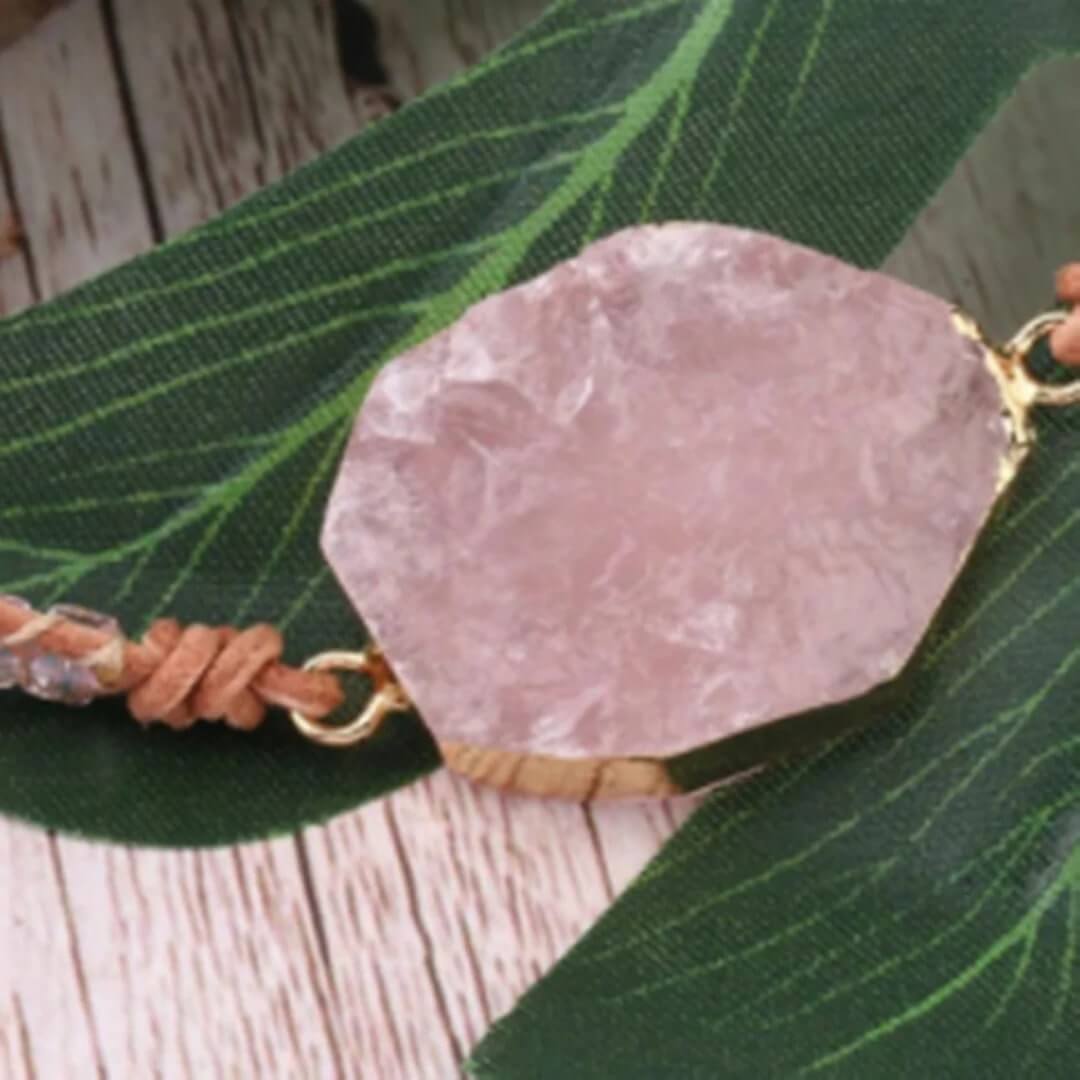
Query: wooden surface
[[424, 42], [385, 944], [18, 16]]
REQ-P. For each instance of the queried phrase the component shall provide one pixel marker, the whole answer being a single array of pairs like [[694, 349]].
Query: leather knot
[[204, 672], [176, 675]]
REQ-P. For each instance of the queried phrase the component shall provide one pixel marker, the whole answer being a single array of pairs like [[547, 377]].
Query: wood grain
[[18, 16], [17, 287], [384, 944], [425, 42], [202, 963], [297, 86], [72, 163], [193, 109], [475, 893], [47, 1025]]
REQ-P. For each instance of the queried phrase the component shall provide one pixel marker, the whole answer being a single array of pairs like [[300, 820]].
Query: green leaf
[[171, 429], [905, 901]]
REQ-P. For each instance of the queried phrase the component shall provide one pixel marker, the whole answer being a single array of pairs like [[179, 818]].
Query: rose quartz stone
[[693, 480]]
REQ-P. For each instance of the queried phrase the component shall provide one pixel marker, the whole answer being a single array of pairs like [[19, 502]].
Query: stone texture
[[689, 482]]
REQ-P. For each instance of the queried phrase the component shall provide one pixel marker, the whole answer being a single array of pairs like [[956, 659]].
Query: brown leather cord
[[1065, 340], [178, 675], [1068, 283]]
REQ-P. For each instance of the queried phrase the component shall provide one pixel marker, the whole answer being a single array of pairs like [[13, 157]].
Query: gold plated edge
[[578, 779], [1021, 392]]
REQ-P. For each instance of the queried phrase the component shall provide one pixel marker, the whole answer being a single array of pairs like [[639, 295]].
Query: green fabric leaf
[[906, 901], [170, 431]]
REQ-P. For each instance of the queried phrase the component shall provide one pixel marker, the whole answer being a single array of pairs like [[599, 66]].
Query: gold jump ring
[[387, 697]]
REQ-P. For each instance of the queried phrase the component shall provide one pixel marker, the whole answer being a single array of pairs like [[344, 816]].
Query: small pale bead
[[12, 669], [54, 678], [51, 677], [12, 666]]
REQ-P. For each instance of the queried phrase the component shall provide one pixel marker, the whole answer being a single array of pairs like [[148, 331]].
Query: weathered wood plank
[[297, 83], [425, 42], [202, 963], [18, 16], [629, 834], [67, 143], [193, 109], [446, 902], [47, 1021], [16, 271]]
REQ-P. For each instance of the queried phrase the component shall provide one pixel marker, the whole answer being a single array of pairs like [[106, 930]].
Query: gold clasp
[[1017, 350], [1020, 390], [387, 697]]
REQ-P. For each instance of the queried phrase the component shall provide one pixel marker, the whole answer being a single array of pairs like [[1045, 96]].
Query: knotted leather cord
[[177, 675]]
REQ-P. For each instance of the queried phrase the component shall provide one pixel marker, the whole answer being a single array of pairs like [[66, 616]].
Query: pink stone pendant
[[688, 484]]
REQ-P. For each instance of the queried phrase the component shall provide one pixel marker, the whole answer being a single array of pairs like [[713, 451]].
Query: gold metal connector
[[387, 697], [1021, 391]]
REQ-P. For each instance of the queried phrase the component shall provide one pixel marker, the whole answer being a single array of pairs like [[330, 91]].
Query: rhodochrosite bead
[[690, 482]]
